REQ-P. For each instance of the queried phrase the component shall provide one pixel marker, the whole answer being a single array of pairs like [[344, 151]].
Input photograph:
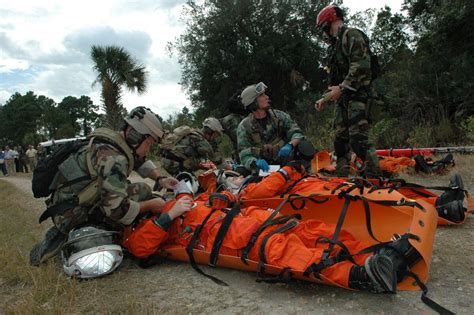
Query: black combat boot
[[450, 205], [48, 247], [377, 275], [402, 254]]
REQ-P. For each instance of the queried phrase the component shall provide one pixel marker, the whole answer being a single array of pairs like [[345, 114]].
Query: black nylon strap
[[287, 190], [253, 239], [368, 222], [190, 248], [261, 264], [255, 235], [56, 209], [225, 225], [346, 255], [338, 228], [424, 296]]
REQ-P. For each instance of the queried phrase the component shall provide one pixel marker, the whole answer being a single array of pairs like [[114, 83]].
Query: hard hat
[[91, 252], [213, 124], [250, 93], [145, 122]]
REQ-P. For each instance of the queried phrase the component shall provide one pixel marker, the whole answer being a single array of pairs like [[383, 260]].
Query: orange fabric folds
[[145, 239]]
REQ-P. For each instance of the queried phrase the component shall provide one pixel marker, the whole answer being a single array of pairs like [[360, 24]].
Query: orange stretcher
[[388, 213]]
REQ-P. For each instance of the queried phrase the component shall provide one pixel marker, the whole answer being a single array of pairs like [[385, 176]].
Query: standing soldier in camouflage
[[268, 136], [231, 122], [91, 186], [188, 150], [351, 71]]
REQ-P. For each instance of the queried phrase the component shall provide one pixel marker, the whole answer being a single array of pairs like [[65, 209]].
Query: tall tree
[[230, 44], [21, 115], [116, 68], [82, 113]]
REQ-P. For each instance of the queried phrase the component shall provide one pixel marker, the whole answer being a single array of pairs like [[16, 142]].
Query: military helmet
[[328, 15], [250, 93], [145, 122], [213, 124]]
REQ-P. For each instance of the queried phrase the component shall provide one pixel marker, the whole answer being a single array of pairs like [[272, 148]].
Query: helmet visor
[[93, 262]]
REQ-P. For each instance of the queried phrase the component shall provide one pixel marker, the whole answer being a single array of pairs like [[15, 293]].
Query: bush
[[467, 126]]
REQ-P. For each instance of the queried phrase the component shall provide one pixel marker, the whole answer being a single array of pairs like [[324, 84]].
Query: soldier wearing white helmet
[[267, 136]]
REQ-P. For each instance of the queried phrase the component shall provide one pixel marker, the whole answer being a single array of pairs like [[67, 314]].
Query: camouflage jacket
[[263, 138], [188, 153], [230, 123], [111, 165], [349, 63]]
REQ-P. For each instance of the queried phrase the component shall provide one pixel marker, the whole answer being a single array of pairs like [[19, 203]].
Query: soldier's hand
[[335, 92], [168, 182], [320, 104], [181, 206]]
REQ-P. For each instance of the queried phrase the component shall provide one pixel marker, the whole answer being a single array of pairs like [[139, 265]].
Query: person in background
[[31, 155], [2, 162]]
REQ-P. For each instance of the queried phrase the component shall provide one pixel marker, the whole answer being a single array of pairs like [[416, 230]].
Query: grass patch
[[26, 290]]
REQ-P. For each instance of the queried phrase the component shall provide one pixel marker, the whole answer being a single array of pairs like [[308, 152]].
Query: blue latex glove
[[262, 164], [285, 150]]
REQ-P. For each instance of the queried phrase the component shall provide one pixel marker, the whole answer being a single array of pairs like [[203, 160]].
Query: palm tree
[[116, 68]]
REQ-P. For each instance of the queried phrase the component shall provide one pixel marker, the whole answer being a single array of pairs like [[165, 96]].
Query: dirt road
[[176, 288]]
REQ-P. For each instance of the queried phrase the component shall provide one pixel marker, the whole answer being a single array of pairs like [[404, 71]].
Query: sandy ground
[[176, 288]]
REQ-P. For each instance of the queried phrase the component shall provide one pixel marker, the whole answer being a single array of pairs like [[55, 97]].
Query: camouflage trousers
[[79, 215], [351, 126]]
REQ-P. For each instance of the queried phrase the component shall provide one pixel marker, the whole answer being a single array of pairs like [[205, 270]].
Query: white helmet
[[250, 93], [91, 252], [213, 124], [190, 184], [145, 122], [229, 180]]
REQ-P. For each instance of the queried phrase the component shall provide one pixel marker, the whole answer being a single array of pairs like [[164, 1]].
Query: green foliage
[[468, 127], [385, 133], [81, 114], [185, 117], [224, 146], [22, 115], [29, 119], [230, 44], [116, 68]]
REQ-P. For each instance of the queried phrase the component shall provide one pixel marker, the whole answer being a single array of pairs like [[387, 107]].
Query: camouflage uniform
[[230, 123], [118, 202], [188, 153], [263, 138], [350, 67]]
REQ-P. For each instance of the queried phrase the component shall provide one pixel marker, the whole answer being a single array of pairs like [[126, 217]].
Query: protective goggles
[[260, 88]]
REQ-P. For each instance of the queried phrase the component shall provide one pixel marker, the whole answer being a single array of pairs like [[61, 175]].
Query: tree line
[[424, 94]]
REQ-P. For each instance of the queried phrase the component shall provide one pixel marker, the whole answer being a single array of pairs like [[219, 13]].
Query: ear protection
[[134, 137]]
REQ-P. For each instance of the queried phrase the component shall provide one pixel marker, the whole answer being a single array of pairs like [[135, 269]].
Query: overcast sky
[[45, 46]]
